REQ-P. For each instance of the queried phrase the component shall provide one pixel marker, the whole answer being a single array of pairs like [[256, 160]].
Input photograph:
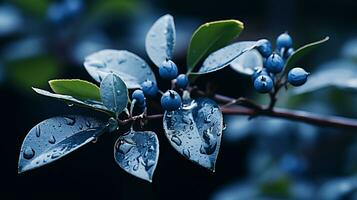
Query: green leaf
[[302, 51], [76, 88], [95, 105], [210, 37], [56, 137], [114, 93]]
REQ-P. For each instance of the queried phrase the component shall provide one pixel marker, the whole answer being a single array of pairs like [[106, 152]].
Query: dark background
[[91, 171]]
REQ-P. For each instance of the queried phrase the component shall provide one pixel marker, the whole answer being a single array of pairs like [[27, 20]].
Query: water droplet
[[143, 66], [121, 61], [191, 128], [38, 131], [55, 155], [124, 147], [88, 124], [136, 167], [208, 149], [70, 104], [186, 153], [70, 120], [176, 140], [169, 114], [208, 119], [28, 153], [80, 127], [149, 164], [224, 126], [97, 63], [52, 139]]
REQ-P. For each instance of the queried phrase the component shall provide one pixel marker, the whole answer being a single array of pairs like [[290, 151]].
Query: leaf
[[56, 137], [114, 93], [302, 51], [223, 57], [71, 100], [76, 88], [137, 153], [247, 62], [129, 67], [160, 40], [340, 74], [210, 37], [195, 131]]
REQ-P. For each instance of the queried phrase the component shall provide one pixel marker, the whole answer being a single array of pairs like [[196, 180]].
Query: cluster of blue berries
[[170, 100], [274, 62]]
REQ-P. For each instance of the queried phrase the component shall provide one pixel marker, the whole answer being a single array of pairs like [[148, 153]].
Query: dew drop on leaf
[[28, 153]]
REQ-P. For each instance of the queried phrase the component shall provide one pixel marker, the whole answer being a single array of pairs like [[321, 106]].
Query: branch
[[295, 115]]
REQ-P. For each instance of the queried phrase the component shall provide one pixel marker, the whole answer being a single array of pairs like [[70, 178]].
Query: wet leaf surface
[[247, 62], [129, 67], [195, 131], [160, 40], [137, 152], [56, 137]]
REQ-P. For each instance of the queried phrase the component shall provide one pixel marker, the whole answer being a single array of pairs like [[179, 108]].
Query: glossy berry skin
[[288, 53], [149, 88], [182, 81], [284, 41], [171, 100], [263, 84], [168, 70], [259, 71], [139, 96], [274, 63], [264, 47], [297, 76]]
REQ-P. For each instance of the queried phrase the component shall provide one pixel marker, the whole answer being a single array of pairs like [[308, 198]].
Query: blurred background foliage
[[261, 158]]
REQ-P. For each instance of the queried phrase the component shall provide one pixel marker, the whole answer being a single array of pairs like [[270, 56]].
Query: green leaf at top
[[114, 93], [302, 51], [210, 37], [76, 88]]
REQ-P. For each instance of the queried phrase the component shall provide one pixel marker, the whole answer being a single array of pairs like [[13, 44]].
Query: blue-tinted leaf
[[160, 40], [195, 131], [340, 74], [247, 62], [71, 100], [338, 188], [137, 153], [114, 93], [223, 57], [129, 67], [56, 137]]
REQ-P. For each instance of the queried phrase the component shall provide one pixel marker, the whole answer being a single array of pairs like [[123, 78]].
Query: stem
[[246, 107]]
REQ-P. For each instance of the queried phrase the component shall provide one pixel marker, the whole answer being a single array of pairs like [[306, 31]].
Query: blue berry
[[182, 81], [284, 41], [288, 53], [263, 83], [149, 88], [168, 70], [274, 63], [170, 100], [259, 71], [297, 76], [138, 95], [264, 47]]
